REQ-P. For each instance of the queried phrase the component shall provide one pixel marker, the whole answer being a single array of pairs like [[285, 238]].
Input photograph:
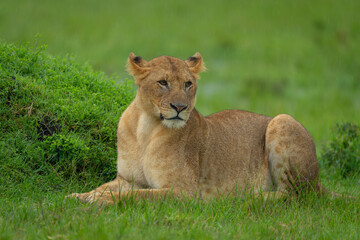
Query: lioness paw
[[82, 197], [73, 195], [100, 198]]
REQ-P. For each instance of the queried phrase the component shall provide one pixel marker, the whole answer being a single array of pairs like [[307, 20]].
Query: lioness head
[[167, 86]]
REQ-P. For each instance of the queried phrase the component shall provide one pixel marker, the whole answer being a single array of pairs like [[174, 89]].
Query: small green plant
[[343, 152]]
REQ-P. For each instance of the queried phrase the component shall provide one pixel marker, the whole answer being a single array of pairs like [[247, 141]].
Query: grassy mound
[[58, 120]]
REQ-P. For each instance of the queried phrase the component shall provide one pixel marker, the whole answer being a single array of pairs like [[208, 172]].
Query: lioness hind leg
[[291, 155], [106, 192]]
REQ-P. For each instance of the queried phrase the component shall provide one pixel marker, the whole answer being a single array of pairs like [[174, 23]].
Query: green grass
[[54, 218], [50, 216], [58, 116]]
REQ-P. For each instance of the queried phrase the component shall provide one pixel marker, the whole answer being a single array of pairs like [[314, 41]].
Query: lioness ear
[[137, 66], [196, 64]]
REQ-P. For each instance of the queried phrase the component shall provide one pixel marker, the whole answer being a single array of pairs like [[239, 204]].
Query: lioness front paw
[[101, 198], [82, 197], [73, 195]]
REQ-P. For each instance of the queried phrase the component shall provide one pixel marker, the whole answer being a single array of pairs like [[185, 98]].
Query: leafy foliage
[[343, 152], [58, 119]]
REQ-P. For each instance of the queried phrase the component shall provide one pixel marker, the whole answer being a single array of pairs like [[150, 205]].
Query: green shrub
[[343, 152], [58, 119]]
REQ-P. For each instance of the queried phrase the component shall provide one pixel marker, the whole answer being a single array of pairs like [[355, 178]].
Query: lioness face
[[167, 87]]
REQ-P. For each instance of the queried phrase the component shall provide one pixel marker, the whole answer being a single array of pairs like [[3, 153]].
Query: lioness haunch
[[166, 146]]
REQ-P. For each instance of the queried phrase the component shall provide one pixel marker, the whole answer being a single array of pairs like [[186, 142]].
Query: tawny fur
[[223, 153]]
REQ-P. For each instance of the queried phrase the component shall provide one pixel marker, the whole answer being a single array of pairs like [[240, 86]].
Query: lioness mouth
[[173, 118]]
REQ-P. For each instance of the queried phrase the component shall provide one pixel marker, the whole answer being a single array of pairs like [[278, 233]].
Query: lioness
[[165, 145]]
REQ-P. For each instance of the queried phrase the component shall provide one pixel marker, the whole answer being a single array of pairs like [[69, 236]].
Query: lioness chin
[[165, 145]]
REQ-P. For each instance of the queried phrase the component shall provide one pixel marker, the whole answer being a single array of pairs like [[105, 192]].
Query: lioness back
[[235, 150]]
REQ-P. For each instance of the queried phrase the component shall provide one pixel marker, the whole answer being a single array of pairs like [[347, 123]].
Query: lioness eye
[[163, 83], [188, 84]]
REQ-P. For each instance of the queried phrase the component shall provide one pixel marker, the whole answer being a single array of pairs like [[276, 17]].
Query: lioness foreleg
[[105, 192], [108, 197]]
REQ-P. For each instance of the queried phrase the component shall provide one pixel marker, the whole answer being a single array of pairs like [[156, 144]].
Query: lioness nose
[[178, 107]]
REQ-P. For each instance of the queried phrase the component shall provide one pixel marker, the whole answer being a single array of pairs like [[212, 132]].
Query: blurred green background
[[269, 57]]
